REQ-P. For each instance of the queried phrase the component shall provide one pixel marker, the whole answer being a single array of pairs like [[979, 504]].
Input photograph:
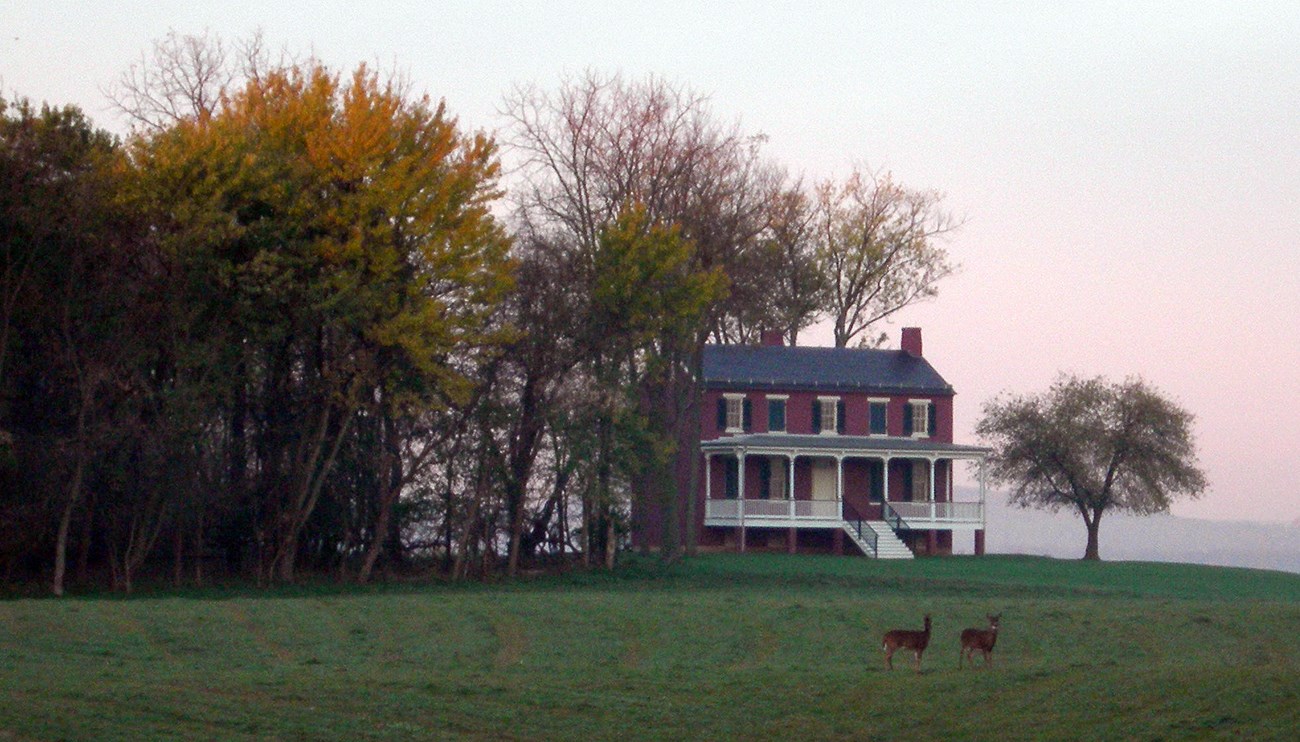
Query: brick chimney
[[772, 338], [912, 341]]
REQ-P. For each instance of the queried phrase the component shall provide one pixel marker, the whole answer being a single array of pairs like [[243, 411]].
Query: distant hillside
[[1156, 538]]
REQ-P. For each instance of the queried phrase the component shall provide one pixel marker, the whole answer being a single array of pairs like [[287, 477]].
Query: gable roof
[[802, 367]]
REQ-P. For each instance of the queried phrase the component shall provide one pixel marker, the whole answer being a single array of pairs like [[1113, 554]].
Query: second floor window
[[828, 415], [776, 414], [733, 413], [879, 413], [918, 418]]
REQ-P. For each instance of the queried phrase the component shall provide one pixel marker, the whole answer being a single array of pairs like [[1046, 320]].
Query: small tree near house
[[1092, 445]]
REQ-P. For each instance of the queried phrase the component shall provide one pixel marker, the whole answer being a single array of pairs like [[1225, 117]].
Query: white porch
[[825, 508]]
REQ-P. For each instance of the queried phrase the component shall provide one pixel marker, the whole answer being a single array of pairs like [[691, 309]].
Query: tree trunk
[[1092, 553]]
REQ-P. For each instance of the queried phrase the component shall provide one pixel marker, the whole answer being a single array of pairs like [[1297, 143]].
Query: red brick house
[[843, 450]]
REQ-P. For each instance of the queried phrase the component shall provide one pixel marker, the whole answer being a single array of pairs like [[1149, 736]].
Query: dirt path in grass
[[257, 633]]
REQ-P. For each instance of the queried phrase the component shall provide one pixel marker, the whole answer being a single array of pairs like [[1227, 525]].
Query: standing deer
[[979, 639], [916, 641]]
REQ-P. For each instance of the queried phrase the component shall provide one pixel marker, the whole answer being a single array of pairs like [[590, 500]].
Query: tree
[[1093, 446], [601, 146], [875, 245], [335, 240]]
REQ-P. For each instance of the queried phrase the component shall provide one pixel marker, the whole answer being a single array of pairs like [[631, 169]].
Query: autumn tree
[[1093, 446], [336, 238], [877, 250]]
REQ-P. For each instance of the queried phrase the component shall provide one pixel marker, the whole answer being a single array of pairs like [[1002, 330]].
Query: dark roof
[[841, 443], [857, 369]]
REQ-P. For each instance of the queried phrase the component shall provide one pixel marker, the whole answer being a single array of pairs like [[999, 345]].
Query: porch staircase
[[887, 546]]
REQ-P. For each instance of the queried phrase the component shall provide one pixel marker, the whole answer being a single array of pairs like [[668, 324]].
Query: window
[[879, 414], [828, 415], [776, 414], [919, 424], [732, 478], [734, 414]]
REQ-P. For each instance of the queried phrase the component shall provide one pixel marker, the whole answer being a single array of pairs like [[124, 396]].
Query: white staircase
[[888, 545]]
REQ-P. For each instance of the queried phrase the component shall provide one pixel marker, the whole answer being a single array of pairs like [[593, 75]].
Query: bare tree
[[183, 77], [876, 245]]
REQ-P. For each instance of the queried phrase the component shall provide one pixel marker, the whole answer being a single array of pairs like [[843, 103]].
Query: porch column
[[979, 534], [789, 482], [708, 478], [932, 486], [740, 495], [839, 485], [884, 486]]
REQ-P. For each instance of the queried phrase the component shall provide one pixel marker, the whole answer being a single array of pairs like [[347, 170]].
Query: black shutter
[[816, 417], [765, 478], [722, 415], [877, 480], [907, 481], [839, 417], [934, 419], [733, 478], [907, 418], [748, 410]]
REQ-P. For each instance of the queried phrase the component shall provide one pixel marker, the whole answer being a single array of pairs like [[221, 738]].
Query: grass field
[[722, 647]]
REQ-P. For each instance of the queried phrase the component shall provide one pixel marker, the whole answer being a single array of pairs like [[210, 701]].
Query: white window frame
[[736, 412], [833, 404], [920, 414], [875, 401]]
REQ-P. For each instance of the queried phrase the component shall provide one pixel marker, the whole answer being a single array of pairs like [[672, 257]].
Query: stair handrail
[[892, 517], [872, 540]]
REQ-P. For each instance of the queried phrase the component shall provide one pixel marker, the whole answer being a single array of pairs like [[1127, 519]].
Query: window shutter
[[816, 417], [733, 478], [722, 415], [748, 410], [764, 478], [934, 418], [839, 417], [907, 481], [907, 419]]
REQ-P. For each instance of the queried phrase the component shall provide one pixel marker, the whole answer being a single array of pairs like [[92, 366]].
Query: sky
[[1128, 173]]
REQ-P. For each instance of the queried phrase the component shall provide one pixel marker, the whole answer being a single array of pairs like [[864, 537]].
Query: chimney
[[912, 341], [771, 338]]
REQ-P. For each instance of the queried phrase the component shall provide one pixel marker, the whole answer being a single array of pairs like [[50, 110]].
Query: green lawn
[[723, 647]]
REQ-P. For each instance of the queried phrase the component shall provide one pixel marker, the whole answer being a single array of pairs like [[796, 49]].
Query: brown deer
[[916, 641], [981, 640]]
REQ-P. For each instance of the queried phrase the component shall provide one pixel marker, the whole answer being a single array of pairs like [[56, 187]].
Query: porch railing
[[773, 509], [914, 514]]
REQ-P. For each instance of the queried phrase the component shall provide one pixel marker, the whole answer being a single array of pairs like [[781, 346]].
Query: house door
[[823, 479]]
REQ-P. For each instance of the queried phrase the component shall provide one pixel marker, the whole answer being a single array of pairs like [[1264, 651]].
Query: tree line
[[298, 320]]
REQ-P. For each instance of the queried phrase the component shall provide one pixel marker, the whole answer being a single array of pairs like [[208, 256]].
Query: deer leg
[[889, 661], [918, 662]]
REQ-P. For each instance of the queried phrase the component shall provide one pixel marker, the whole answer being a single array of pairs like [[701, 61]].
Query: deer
[[916, 641], [981, 640]]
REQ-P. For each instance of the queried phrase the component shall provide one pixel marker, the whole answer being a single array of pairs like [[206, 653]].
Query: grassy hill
[[723, 647]]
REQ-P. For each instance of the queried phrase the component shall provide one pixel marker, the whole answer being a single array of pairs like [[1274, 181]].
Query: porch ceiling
[[840, 444]]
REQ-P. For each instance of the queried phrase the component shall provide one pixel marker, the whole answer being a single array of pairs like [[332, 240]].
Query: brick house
[[805, 449]]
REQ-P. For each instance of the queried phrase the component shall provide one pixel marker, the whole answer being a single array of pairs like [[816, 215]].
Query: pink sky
[[1129, 172]]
